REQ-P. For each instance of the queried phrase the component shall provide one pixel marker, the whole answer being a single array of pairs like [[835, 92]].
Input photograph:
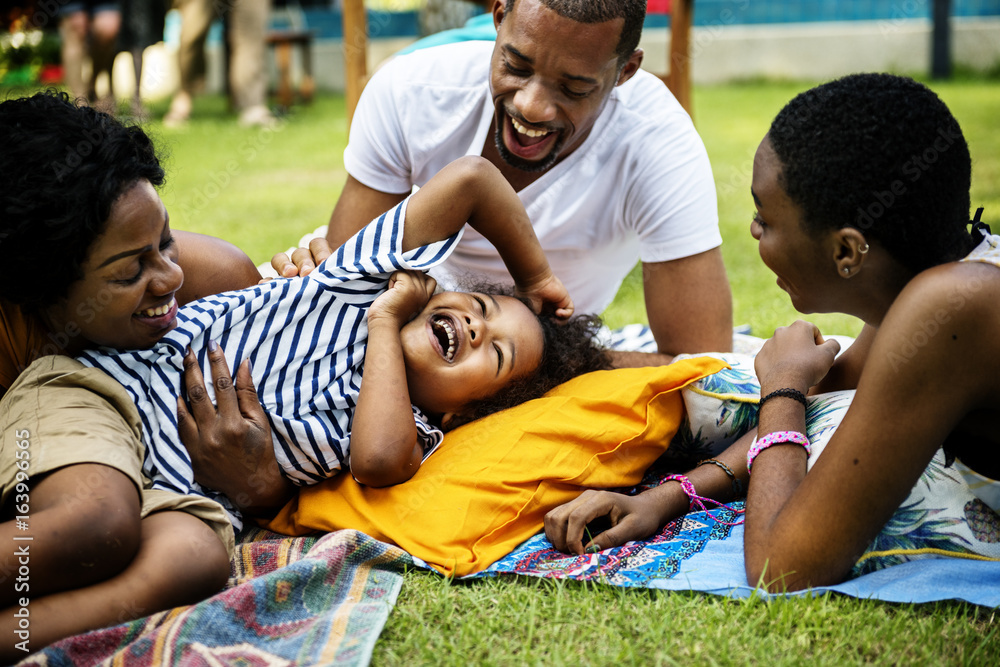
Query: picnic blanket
[[695, 553], [305, 600], [942, 543]]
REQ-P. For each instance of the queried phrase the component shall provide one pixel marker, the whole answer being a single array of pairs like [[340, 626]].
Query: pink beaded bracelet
[[699, 501], [777, 438]]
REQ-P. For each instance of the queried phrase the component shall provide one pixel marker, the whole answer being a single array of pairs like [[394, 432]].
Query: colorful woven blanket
[[289, 601], [942, 543], [696, 553]]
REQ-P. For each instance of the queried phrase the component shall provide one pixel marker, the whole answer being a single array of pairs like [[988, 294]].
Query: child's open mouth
[[444, 330]]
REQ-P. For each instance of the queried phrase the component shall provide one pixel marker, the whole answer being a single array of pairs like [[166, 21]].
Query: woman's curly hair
[[570, 349], [62, 167]]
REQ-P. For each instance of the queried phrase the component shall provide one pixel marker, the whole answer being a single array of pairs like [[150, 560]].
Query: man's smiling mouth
[[521, 129]]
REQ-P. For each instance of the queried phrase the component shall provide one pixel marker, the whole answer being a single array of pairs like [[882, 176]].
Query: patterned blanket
[[697, 553], [289, 601], [942, 543]]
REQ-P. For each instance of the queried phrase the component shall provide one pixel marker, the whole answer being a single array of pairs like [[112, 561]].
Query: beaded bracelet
[[699, 501], [787, 392], [737, 484], [777, 438]]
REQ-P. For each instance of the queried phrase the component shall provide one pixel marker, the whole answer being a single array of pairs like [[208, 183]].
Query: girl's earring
[[847, 270], [864, 249]]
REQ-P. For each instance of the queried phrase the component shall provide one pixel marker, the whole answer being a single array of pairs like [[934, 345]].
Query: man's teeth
[[521, 129], [158, 311]]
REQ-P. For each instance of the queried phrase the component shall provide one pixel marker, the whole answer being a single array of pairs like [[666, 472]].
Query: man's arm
[[357, 206], [689, 304], [211, 266]]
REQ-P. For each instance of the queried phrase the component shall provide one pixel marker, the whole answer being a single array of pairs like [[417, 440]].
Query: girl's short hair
[[62, 167], [881, 153]]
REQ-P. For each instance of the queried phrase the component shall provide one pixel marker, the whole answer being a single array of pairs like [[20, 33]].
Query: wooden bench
[[283, 41]]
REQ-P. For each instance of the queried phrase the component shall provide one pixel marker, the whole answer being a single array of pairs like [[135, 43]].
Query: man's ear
[[631, 67], [498, 10]]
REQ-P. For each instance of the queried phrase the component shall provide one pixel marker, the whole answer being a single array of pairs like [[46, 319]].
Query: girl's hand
[[796, 356], [408, 293], [547, 296]]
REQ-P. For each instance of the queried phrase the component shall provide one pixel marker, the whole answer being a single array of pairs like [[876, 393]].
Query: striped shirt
[[305, 338]]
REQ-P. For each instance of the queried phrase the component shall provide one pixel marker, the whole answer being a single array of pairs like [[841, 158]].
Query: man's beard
[[520, 163]]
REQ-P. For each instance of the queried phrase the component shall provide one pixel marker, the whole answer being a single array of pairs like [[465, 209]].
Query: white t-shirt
[[639, 187]]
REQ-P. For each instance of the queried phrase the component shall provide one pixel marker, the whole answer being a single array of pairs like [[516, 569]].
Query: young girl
[[862, 195], [307, 343]]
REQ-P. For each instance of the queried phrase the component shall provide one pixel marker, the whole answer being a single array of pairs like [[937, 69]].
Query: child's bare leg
[[180, 561], [83, 521]]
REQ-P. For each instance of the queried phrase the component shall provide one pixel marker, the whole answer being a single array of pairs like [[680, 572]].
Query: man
[[607, 164]]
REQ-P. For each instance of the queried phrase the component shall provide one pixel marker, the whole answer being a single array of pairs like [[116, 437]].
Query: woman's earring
[[847, 270], [864, 249]]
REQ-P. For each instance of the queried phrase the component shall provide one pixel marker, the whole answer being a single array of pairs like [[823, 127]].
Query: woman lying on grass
[[428, 362], [862, 194]]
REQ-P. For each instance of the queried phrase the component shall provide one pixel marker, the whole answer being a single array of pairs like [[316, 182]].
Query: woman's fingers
[[199, 405]]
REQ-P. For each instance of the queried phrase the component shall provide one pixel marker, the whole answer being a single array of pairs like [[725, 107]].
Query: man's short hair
[[599, 11]]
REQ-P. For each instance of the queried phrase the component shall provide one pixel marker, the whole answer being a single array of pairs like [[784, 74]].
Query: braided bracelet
[[695, 499], [737, 484], [787, 392], [777, 438]]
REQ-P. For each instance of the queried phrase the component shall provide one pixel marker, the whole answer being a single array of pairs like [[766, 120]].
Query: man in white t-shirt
[[606, 162]]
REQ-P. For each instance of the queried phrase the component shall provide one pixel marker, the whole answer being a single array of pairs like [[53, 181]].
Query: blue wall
[[327, 22]]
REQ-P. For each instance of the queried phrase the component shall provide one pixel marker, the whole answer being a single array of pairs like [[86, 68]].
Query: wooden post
[[941, 40], [679, 72], [355, 27]]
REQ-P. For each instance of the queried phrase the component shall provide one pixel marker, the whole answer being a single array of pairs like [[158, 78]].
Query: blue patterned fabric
[[942, 543]]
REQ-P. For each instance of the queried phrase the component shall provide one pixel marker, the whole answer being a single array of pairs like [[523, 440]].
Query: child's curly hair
[[570, 349]]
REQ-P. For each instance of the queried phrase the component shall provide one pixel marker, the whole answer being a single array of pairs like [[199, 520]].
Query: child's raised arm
[[385, 449], [471, 190]]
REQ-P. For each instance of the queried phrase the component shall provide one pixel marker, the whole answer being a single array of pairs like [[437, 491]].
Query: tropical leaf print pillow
[[941, 517]]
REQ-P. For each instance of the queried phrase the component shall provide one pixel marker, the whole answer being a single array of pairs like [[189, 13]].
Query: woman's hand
[[548, 296], [230, 444], [631, 518], [796, 356], [408, 293]]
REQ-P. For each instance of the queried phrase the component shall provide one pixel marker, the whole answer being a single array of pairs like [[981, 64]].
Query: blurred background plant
[[28, 54]]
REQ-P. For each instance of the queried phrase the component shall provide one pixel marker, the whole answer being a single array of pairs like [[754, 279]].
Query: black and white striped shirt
[[306, 340]]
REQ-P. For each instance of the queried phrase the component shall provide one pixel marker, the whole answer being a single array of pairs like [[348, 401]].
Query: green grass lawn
[[263, 189]]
